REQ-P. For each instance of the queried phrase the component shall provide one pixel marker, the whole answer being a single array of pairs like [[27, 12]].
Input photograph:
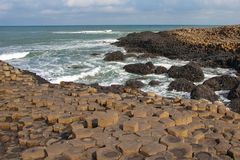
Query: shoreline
[[40, 120], [210, 47]]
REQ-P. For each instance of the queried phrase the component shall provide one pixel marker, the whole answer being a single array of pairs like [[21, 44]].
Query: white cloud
[[4, 7], [89, 3]]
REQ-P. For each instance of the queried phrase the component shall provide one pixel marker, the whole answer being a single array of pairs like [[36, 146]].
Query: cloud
[[89, 3], [4, 7], [119, 11]]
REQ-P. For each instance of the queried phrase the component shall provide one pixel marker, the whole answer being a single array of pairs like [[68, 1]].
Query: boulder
[[234, 93], [224, 82], [160, 70], [114, 56], [140, 68], [204, 92], [154, 83], [235, 105], [181, 84], [191, 72], [134, 83]]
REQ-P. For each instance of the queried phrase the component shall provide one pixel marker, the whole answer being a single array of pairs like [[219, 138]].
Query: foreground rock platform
[[70, 121]]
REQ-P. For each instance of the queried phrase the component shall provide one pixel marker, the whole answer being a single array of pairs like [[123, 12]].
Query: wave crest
[[73, 78], [15, 55], [87, 32]]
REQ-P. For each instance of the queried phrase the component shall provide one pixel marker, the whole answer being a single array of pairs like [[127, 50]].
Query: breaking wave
[[87, 32], [15, 55]]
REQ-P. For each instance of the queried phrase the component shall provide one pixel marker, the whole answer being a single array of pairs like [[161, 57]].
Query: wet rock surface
[[154, 82], [133, 83], [75, 121], [144, 69], [203, 92], [191, 72], [181, 84], [115, 56], [235, 105], [224, 82], [193, 44], [235, 92]]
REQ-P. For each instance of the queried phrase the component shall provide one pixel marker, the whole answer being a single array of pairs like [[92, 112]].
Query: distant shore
[[210, 47]]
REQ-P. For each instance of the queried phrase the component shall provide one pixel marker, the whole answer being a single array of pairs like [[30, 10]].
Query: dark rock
[[154, 83], [207, 46], [191, 72], [150, 65], [224, 82], [235, 105], [114, 56], [181, 84], [39, 79], [140, 68], [130, 55], [160, 70], [204, 92], [132, 83], [234, 93], [95, 54], [146, 55]]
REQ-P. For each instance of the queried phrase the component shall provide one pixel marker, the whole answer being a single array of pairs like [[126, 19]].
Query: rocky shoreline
[[70, 121], [210, 47]]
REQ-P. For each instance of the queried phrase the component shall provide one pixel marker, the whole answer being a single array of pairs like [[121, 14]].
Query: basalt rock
[[154, 83], [203, 92], [224, 82], [191, 72], [134, 83], [181, 84], [160, 70], [235, 105], [211, 47], [234, 93], [79, 121], [114, 56], [140, 68]]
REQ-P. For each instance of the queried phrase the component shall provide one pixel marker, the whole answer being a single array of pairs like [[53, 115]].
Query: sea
[[75, 54]]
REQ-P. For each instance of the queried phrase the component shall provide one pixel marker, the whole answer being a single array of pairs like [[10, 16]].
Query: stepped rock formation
[[212, 47], [75, 121]]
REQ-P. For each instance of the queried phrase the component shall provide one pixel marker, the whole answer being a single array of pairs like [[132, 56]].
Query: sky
[[115, 12]]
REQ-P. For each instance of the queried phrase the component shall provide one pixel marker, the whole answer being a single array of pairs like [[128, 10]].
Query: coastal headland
[[210, 47], [71, 121]]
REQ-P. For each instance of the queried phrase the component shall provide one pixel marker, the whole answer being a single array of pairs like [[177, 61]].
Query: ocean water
[[75, 53]]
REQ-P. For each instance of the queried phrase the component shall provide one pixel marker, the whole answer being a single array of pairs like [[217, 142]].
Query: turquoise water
[[65, 53]]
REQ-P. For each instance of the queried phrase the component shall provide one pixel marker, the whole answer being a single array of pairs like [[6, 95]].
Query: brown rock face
[[214, 47]]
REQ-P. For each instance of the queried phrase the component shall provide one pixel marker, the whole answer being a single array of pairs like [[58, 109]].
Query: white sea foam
[[73, 78], [16, 55], [87, 32]]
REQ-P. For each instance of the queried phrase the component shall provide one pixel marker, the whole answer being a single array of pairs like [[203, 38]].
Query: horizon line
[[55, 25]]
